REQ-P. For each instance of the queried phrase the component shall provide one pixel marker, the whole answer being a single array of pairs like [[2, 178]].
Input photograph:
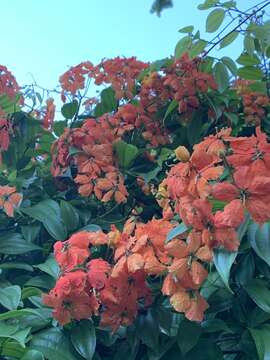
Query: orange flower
[[252, 190], [188, 257], [71, 299], [9, 199], [73, 252], [49, 114]]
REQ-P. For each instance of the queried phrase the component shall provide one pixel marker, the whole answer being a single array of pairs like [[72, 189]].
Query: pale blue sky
[[44, 37]]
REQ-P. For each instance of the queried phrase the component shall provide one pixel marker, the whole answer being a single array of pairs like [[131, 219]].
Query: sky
[[40, 39]]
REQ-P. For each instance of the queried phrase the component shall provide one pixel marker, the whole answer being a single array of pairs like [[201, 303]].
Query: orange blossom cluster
[[9, 87]]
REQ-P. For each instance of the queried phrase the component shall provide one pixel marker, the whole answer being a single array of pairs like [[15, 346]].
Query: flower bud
[[182, 153]]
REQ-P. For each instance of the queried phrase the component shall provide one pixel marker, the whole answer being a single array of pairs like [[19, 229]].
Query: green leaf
[[30, 232], [172, 106], [188, 335], [21, 336], [13, 332], [232, 117], [250, 73], [91, 228], [249, 60], [223, 261], [70, 109], [267, 51], [259, 236], [197, 48], [182, 46], [178, 230], [125, 153], [205, 349], [194, 129], [108, 102], [7, 329], [168, 321], [207, 4], [53, 344], [70, 215], [230, 64], [16, 314], [249, 44], [14, 244], [10, 297], [50, 267], [33, 355], [186, 29], [259, 293], [228, 39], [147, 329], [221, 76], [261, 337], [245, 269], [9, 105], [258, 86], [30, 291], [12, 349], [42, 281], [83, 338], [59, 127], [215, 325], [15, 265], [214, 20], [229, 4], [48, 212]]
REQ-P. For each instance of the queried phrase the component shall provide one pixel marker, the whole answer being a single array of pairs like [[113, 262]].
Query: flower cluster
[[9, 87], [121, 73], [89, 287], [255, 104], [225, 169], [8, 83], [186, 82], [49, 114], [97, 169], [230, 172], [74, 79]]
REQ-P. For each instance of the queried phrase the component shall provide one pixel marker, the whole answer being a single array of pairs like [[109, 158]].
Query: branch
[[235, 28]]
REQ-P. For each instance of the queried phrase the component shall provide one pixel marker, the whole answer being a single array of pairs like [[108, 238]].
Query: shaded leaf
[[223, 261], [53, 344], [125, 153], [221, 76], [259, 240], [70, 109], [83, 338], [261, 337], [188, 335], [48, 212], [10, 297], [259, 293], [14, 244]]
